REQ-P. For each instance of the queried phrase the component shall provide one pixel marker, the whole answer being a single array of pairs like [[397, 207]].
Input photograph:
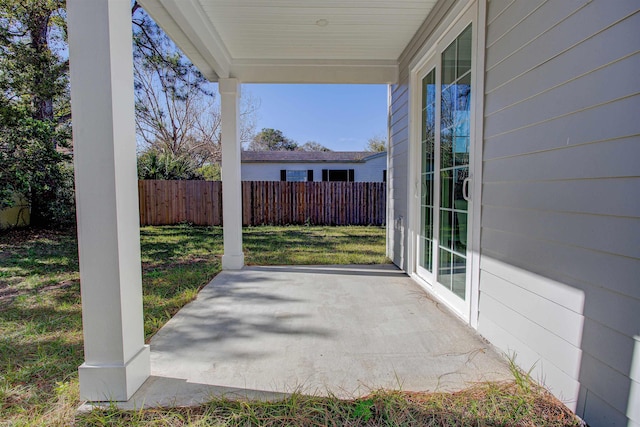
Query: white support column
[[116, 359], [233, 258]]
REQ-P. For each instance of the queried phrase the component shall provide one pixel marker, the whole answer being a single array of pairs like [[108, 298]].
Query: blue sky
[[340, 117]]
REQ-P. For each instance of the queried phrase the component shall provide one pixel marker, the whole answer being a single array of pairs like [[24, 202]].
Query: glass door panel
[[427, 171], [454, 141]]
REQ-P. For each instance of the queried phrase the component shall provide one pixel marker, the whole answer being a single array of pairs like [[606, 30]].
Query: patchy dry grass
[[491, 404], [41, 335]]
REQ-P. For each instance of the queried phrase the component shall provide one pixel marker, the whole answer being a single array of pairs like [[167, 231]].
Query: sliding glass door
[[444, 169]]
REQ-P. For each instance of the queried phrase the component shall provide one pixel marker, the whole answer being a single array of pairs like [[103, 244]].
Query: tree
[[173, 117], [376, 144], [313, 146], [35, 109], [176, 107], [272, 140]]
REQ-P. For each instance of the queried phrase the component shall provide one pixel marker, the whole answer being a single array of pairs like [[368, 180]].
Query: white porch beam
[[233, 258], [116, 359], [316, 71]]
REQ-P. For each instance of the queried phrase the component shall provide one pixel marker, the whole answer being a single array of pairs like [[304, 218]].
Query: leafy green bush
[[211, 172], [155, 164], [31, 165]]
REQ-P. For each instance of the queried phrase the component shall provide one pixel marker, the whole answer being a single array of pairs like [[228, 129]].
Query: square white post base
[[105, 383], [232, 262]]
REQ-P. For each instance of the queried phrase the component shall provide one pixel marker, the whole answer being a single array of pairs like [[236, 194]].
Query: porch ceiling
[[293, 41]]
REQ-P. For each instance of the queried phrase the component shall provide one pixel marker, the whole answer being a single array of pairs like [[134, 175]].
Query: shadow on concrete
[[159, 392], [341, 330]]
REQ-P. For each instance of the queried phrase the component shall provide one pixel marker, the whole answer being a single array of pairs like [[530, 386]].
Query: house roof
[[293, 41], [308, 156]]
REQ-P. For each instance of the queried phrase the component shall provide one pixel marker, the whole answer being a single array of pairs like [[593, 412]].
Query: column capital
[[229, 86]]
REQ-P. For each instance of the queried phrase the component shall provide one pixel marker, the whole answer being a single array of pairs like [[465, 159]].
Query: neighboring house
[[513, 166], [18, 215], [303, 166]]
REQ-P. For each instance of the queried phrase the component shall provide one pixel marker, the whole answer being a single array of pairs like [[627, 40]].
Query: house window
[[336, 175], [296, 175]]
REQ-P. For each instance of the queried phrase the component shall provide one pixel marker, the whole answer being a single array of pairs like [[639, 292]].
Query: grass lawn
[[41, 334]]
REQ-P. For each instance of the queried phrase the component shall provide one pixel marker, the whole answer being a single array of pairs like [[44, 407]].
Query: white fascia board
[[315, 71], [186, 24], [375, 156]]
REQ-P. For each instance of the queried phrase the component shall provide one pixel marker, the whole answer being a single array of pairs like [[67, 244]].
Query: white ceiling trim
[[189, 15], [159, 14], [187, 24]]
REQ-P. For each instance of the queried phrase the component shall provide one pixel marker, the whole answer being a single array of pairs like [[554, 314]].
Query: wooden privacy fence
[[173, 202], [264, 202]]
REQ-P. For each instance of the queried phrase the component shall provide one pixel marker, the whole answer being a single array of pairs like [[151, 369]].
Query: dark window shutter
[[384, 175], [325, 174], [310, 175], [352, 174], [283, 175]]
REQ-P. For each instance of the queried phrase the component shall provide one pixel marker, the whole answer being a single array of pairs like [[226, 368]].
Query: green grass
[[314, 245], [41, 334]]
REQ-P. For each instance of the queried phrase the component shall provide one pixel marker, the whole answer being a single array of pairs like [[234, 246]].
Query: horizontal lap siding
[[560, 268], [369, 171], [398, 166]]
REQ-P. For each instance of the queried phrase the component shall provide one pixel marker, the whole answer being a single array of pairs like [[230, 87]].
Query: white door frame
[[463, 13]]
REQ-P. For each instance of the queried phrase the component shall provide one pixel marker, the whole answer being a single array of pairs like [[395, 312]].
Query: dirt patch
[[9, 293], [20, 236]]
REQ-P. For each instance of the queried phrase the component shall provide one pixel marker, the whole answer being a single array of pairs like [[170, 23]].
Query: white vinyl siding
[[370, 171], [398, 167], [560, 207]]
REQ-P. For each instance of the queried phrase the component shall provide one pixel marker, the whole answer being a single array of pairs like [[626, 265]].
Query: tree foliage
[[376, 144], [35, 114], [176, 107], [210, 172], [35, 109], [272, 140], [313, 146]]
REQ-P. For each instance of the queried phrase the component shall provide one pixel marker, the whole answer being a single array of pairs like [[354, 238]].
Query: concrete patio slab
[[345, 330]]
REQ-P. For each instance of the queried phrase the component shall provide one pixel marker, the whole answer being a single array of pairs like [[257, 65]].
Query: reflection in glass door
[[455, 115], [427, 171], [444, 172]]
